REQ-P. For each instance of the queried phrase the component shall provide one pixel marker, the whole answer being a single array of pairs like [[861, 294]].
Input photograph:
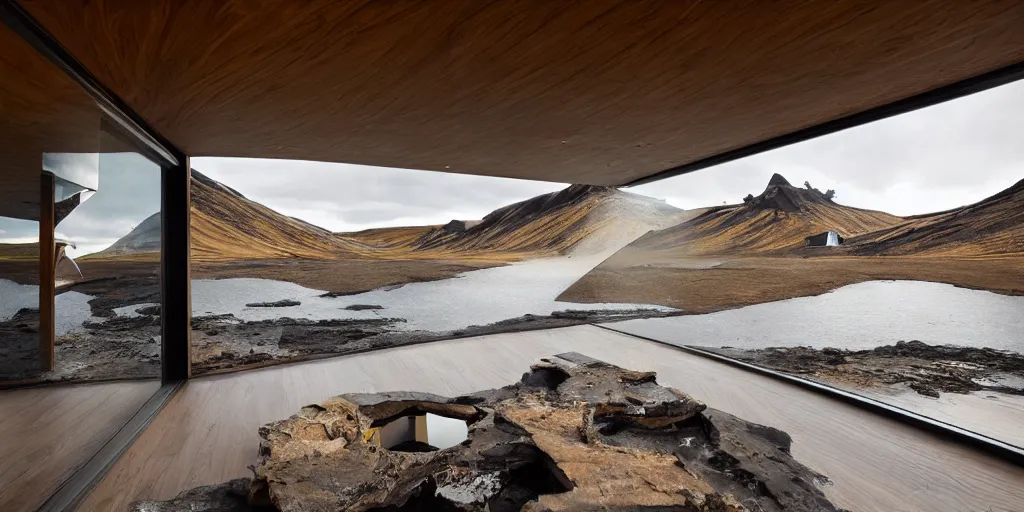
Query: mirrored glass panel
[[19, 299], [108, 298], [886, 260], [53, 157]]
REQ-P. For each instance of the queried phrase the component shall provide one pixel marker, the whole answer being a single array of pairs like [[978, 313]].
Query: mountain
[[579, 219], [992, 226], [144, 238], [227, 225], [780, 218]]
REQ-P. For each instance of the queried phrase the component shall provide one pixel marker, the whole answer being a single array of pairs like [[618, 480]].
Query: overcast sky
[[930, 160], [129, 191]]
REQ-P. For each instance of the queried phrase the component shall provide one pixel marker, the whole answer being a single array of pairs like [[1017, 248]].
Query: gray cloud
[[129, 192], [933, 159], [343, 197]]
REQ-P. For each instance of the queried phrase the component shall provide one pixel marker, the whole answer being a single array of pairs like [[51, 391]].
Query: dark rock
[[149, 310], [284, 303], [924, 389], [230, 496], [363, 307], [413, 447], [927, 369], [455, 226], [333, 295], [778, 180]]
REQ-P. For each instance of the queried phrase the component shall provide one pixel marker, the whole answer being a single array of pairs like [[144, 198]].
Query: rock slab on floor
[[568, 436]]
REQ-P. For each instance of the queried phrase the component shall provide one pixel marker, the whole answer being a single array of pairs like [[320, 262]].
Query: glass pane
[[49, 427], [887, 260], [294, 260], [19, 299], [108, 304]]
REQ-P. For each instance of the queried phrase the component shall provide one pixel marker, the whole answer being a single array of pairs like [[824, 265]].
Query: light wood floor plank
[[48, 432], [207, 433]]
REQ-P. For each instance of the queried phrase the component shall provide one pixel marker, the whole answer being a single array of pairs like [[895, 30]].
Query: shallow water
[[72, 308], [858, 316], [14, 296], [480, 297]]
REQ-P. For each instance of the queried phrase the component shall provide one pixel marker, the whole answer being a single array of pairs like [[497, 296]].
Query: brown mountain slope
[[994, 226], [579, 218], [751, 249], [778, 219], [227, 225], [402, 237]]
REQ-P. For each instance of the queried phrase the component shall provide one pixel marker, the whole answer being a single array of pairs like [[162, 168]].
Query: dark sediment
[[19, 346], [284, 303], [927, 369], [363, 307], [567, 437]]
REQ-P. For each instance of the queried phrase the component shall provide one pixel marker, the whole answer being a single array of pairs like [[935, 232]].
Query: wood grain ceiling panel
[[41, 110], [600, 92]]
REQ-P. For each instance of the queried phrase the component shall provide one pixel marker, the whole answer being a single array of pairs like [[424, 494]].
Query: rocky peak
[[778, 180], [781, 195], [455, 226]]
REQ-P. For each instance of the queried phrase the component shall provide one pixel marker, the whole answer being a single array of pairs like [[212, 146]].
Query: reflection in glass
[[50, 132], [108, 299], [19, 299], [271, 287]]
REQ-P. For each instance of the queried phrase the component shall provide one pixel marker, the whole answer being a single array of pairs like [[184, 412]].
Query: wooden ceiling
[[41, 110], [600, 92]]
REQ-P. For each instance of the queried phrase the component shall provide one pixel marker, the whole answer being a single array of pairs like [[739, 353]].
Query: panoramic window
[[884, 259], [887, 260], [303, 259]]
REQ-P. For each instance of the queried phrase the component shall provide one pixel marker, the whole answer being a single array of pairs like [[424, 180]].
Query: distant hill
[[144, 238], [579, 219], [21, 251], [777, 219], [989, 227]]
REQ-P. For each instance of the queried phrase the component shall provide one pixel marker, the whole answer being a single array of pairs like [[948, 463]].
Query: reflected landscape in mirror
[[54, 415], [886, 260], [108, 298], [19, 299]]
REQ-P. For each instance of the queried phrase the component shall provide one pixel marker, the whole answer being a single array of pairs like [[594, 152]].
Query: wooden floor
[[48, 432], [207, 433]]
